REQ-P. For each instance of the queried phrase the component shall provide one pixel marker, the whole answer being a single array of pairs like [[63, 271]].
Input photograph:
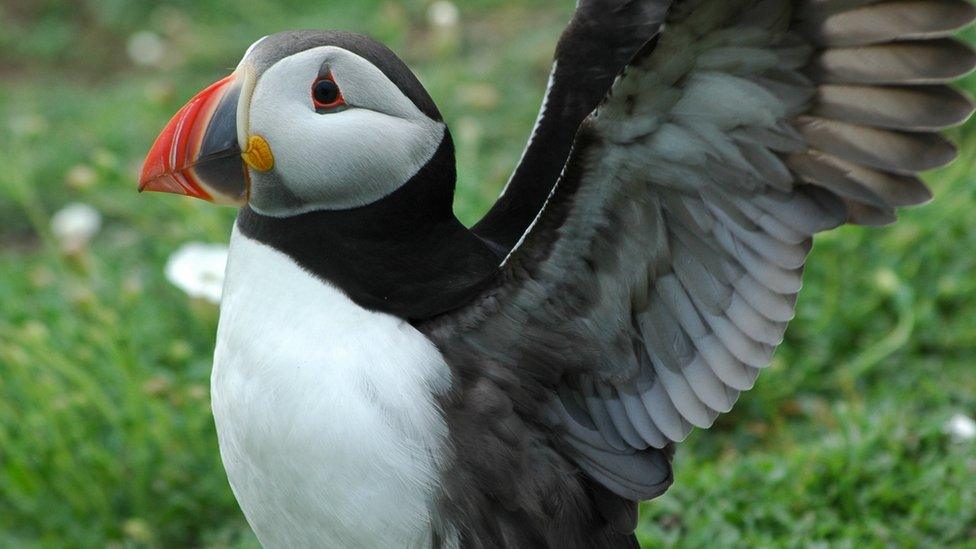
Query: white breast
[[326, 413]]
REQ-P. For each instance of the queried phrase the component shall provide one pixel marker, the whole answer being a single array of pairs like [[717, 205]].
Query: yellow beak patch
[[258, 154]]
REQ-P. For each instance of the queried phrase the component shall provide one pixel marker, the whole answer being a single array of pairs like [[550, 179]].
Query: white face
[[331, 159]]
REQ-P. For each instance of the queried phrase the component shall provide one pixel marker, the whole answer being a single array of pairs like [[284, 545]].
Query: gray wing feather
[[919, 108]]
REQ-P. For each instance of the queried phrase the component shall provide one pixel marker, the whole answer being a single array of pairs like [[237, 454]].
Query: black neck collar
[[406, 254]]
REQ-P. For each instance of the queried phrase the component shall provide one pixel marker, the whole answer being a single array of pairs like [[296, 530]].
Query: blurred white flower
[[887, 281], [146, 48], [81, 177], [198, 270], [27, 125], [443, 14], [960, 428], [75, 225]]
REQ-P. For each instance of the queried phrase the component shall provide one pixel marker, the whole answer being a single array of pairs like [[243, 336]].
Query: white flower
[[887, 281], [146, 48], [75, 225], [27, 125], [443, 14], [198, 270], [960, 428], [81, 177]]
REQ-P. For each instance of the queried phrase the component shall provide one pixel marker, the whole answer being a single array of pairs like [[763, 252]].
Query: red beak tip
[[169, 165]]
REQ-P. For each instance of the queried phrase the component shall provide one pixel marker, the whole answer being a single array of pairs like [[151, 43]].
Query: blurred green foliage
[[106, 436]]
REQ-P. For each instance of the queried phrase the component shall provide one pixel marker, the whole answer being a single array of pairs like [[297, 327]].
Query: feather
[[892, 20], [737, 60], [673, 295], [698, 281], [766, 166], [601, 416], [710, 96], [721, 146], [786, 256], [753, 324], [772, 226], [775, 278], [707, 386], [726, 367], [634, 406], [774, 306], [565, 411], [894, 190], [710, 256], [662, 411], [618, 415], [663, 334], [683, 398], [748, 351], [635, 477], [871, 216], [930, 62], [899, 152], [917, 108], [781, 138], [813, 169], [800, 212]]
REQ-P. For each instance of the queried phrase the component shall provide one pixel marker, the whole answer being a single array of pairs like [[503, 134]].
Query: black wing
[[659, 278], [594, 48]]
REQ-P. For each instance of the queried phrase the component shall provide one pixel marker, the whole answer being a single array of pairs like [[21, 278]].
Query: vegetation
[[106, 436]]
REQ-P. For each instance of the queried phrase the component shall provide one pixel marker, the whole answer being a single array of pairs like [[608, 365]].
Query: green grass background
[[106, 436]]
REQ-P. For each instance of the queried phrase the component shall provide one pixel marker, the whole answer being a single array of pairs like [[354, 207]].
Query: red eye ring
[[326, 94]]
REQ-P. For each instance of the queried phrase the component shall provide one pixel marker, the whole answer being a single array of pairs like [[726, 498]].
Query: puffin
[[385, 376]]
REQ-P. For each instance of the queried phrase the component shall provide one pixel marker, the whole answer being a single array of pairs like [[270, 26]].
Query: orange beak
[[197, 154]]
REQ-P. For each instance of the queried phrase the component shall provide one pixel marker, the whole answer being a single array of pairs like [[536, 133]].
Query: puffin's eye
[[326, 94]]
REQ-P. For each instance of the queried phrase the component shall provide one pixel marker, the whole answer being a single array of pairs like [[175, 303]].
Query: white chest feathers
[[326, 414]]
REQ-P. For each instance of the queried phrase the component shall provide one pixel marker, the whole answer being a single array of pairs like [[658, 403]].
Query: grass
[[106, 437]]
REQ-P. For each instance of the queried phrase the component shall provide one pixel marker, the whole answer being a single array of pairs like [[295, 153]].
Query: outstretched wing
[[594, 48], [659, 278]]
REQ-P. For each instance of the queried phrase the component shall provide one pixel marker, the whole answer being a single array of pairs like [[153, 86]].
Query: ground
[[106, 436]]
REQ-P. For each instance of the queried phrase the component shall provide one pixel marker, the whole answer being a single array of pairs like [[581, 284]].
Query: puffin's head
[[309, 120]]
